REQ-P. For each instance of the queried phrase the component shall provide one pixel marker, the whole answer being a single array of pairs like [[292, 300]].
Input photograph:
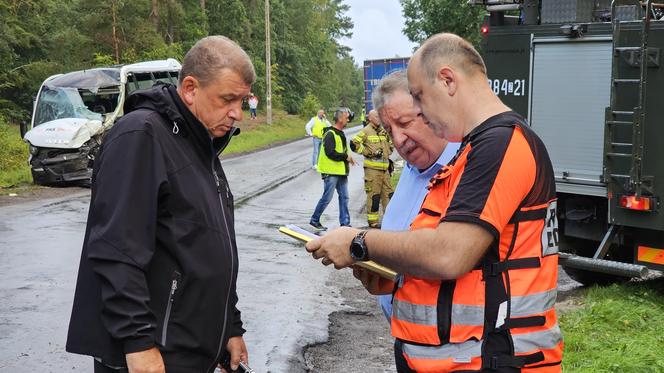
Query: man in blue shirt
[[424, 152]]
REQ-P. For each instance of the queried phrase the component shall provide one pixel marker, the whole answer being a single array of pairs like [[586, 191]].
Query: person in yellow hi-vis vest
[[374, 143], [314, 128]]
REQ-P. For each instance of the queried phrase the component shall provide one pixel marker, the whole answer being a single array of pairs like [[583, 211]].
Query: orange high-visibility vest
[[501, 314]]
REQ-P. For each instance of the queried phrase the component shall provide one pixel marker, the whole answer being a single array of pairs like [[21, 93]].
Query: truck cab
[[72, 111]]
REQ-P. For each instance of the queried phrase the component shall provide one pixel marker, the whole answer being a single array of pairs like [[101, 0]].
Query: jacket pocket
[[169, 306]]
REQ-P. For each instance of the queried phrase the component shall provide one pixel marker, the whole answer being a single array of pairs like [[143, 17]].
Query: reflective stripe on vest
[[426, 315], [359, 142], [325, 164], [376, 138], [319, 126], [378, 164], [523, 343]]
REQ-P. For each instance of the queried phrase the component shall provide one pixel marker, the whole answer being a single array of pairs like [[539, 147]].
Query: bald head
[[373, 117], [210, 55], [448, 49]]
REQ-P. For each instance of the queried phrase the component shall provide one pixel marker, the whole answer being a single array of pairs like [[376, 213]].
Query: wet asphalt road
[[285, 296], [283, 293]]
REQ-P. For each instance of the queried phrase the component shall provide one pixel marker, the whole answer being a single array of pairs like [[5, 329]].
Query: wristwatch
[[358, 249]]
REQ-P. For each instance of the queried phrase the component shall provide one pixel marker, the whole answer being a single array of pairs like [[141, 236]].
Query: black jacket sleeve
[[122, 223], [329, 146], [236, 321]]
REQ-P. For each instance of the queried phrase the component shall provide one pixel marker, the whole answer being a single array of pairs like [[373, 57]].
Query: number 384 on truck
[[588, 76]]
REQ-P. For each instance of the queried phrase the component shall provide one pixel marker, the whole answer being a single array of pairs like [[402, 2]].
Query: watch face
[[357, 249]]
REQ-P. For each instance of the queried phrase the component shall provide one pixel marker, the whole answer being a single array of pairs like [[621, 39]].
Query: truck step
[[621, 144], [619, 176], [619, 122], [602, 265], [617, 155], [622, 112], [624, 81], [627, 49]]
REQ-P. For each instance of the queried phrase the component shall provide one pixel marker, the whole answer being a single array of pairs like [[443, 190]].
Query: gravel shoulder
[[29, 193], [359, 336]]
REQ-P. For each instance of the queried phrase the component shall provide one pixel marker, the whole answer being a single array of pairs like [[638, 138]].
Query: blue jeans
[[331, 182], [317, 143]]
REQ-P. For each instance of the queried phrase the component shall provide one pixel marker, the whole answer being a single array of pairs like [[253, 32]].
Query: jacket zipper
[[169, 306], [230, 283]]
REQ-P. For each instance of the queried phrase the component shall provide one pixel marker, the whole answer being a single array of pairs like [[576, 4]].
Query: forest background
[[310, 67]]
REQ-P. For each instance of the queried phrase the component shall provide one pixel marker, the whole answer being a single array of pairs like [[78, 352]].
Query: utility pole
[[268, 64]]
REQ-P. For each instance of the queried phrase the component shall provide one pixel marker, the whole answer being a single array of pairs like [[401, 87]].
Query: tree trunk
[[114, 26], [202, 5], [154, 15], [169, 24]]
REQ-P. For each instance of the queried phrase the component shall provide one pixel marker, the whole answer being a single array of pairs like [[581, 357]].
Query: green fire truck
[[575, 69]]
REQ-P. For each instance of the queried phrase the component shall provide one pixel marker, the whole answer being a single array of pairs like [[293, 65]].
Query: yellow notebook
[[306, 236]]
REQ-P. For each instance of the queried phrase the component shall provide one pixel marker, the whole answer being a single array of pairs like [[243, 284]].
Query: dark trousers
[[101, 368], [402, 364]]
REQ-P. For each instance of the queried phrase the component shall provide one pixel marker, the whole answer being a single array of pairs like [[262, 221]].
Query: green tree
[[427, 17], [39, 38]]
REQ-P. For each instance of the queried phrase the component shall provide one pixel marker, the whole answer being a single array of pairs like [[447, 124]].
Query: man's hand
[[374, 284], [351, 160], [334, 247], [238, 351], [148, 361]]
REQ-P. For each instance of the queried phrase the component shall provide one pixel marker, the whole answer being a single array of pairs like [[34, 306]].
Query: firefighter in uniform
[[479, 266], [374, 143]]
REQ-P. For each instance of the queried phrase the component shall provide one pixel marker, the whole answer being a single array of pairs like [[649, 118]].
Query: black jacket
[[329, 147], [159, 261]]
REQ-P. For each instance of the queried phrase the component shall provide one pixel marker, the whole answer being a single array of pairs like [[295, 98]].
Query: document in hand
[[306, 236]]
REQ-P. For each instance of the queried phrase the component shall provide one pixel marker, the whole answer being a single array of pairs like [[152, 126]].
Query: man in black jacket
[[156, 286]]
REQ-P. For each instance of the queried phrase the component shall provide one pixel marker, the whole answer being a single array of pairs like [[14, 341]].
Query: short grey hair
[[451, 49], [213, 54], [393, 82], [338, 113]]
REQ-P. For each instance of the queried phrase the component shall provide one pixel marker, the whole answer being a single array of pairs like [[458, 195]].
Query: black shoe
[[346, 225], [318, 225]]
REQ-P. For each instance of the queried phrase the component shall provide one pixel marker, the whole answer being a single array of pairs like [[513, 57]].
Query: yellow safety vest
[[327, 165], [319, 126]]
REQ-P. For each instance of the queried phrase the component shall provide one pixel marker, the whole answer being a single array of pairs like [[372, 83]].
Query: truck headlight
[[33, 149]]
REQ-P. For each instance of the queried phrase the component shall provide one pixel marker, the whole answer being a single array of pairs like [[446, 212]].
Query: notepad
[[306, 236]]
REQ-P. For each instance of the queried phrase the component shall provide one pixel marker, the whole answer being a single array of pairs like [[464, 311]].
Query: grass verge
[[618, 329], [257, 134], [14, 169]]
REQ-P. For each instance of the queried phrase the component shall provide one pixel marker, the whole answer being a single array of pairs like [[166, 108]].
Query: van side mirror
[[24, 128]]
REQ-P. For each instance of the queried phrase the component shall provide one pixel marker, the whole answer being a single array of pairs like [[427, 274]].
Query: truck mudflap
[[609, 267]]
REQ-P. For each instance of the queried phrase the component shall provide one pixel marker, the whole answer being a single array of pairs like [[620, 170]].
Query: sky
[[377, 30]]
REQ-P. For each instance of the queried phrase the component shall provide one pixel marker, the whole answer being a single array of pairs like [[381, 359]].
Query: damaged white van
[[73, 111]]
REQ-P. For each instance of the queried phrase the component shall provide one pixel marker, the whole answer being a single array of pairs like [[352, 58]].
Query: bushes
[[13, 156], [310, 106]]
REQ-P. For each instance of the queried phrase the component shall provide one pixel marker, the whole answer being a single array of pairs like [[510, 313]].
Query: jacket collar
[[192, 127]]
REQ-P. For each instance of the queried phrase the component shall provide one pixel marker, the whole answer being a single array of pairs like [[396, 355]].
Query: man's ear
[[449, 78], [189, 87]]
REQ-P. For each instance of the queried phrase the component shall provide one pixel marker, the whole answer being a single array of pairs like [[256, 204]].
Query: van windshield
[[65, 102]]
